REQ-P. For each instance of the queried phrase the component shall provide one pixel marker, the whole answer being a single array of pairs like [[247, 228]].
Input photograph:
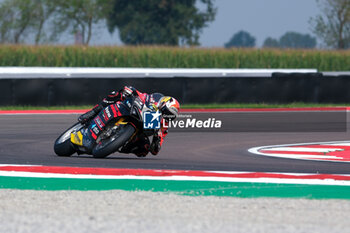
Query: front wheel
[[63, 146], [114, 142]]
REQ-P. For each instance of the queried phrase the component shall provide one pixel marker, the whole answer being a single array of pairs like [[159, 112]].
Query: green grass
[[187, 106], [44, 107], [262, 105]]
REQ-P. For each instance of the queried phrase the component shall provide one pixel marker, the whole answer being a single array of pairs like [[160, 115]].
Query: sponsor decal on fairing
[[108, 113]]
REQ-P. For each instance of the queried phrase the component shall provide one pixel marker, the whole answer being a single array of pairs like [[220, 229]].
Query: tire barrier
[[280, 88]]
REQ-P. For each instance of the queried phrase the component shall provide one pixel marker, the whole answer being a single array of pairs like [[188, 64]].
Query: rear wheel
[[114, 142], [63, 146]]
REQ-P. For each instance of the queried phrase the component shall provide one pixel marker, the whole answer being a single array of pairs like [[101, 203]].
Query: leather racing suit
[[105, 111]]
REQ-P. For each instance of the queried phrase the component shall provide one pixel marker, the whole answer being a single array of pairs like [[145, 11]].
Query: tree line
[[154, 22], [167, 22], [293, 40]]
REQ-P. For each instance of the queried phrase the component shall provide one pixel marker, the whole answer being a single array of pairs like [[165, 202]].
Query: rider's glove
[[86, 117], [155, 145], [128, 91]]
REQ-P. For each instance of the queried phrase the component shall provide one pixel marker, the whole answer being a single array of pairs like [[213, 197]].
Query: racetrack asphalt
[[28, 139]]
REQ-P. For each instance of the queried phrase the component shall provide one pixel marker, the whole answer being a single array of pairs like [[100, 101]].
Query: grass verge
[[262, 105], [191, 106]]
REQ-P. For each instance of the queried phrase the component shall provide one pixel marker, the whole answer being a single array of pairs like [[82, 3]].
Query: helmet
[[169, 107]]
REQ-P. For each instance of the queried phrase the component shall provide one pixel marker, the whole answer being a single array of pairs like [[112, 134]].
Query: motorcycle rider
[[140, 145]]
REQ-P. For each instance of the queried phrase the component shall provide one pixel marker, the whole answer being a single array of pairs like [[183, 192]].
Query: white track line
[[303, 149], [182, 178], [299, 156], [338, 144], [256, 150]]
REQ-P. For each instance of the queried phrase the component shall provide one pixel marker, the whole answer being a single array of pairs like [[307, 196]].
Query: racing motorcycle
[[116, 134]]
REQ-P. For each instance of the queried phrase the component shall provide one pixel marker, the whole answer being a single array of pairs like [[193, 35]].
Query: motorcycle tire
[[63, 146], [112, 144]]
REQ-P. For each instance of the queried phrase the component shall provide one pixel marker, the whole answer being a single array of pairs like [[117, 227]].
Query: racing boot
[[139, 146]]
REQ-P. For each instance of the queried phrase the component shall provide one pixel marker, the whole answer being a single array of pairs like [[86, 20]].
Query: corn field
[[171, 57]]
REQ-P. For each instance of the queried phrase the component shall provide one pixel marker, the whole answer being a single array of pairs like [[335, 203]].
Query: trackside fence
[[87, 86]]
